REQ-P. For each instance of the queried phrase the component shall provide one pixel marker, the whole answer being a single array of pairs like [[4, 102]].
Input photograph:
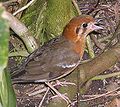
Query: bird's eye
[[85, 25], [77, 30]]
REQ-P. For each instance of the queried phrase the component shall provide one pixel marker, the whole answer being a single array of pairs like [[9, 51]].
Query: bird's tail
[[18, 70]]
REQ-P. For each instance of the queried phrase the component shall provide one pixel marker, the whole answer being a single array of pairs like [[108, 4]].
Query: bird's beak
[[95, 27]]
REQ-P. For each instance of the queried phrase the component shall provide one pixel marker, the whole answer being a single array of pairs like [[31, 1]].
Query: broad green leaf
[[7, 96]]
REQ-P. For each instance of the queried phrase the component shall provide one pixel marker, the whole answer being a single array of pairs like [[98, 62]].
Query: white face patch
[[66, 65], [80, 31]]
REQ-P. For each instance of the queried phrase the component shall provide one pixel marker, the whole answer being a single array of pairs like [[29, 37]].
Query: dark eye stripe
[[77, 30], [84, 30]]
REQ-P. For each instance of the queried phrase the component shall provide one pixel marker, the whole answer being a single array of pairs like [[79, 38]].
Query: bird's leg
[[58, 93], [58, 83]]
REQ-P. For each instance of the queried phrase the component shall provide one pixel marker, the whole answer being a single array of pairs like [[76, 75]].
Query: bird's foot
[[65, 98]]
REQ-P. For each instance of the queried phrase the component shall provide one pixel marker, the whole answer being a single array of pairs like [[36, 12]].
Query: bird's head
[[77, 30], [79, 27]]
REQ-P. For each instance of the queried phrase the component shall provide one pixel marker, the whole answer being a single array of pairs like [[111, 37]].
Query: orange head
[[77, 30]]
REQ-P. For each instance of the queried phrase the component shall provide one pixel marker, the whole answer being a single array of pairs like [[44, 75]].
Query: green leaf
[[7, 96], [4, 34]]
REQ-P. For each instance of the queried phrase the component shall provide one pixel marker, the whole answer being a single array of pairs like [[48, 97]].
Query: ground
[[100, 92]]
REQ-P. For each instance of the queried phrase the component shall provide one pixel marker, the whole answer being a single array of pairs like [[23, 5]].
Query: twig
[[37, 92], [102, 77], [21, 30], [19, 53], [76, 6], [91, 96], [24, 7], [100, 95], [40, 105]]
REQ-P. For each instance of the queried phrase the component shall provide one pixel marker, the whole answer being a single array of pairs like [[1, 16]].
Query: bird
[[58, 57]]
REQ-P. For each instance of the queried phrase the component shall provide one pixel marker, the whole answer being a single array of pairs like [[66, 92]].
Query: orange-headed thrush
[[59, 56]]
